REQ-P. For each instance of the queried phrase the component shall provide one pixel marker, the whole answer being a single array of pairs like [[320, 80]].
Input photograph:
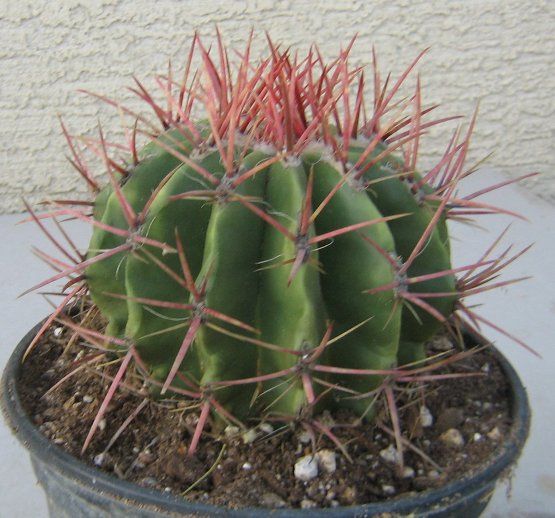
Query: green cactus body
[[231, 251], [159, 334], [108, 276], [101, 201], [244, 265], [351, 266], [254, 270], [393, 196], [290, 315]]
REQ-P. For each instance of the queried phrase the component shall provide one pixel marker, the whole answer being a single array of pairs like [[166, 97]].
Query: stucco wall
[[499, 51]]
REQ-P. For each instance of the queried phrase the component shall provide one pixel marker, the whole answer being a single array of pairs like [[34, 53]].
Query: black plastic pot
[[74, 489]]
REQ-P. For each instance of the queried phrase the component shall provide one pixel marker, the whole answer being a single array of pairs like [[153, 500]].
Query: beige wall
[[499, 51]]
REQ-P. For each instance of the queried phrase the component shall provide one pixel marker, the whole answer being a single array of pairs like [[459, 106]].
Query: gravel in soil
[[453, 427]]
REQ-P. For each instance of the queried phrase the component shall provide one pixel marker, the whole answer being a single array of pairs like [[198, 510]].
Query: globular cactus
[[281, 255]]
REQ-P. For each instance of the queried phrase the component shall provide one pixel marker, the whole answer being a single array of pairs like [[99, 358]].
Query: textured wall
[[499, 51]]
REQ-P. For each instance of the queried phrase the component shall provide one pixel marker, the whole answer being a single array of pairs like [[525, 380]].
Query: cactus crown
[[280, 255]]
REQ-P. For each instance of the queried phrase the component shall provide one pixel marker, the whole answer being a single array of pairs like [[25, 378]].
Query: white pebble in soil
[[453, 438], [250, 436], [306, 468], [494, 434], [99, 459], [230, 430], [273, 501], [307, 504], [388, 490], [326, 460], [426, 418], [304, 437], [266, 427], [408, 472], [390, 454]]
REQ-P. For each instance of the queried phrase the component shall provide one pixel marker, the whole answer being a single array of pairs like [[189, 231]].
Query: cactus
[[281, 256]]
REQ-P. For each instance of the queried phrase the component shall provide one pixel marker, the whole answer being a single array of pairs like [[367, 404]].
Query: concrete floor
[[526, 309]]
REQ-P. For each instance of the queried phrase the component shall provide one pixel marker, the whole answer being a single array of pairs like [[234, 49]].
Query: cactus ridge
[[281, 256]]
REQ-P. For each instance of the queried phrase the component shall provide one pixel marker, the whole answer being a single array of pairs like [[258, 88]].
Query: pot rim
[[45, 450]]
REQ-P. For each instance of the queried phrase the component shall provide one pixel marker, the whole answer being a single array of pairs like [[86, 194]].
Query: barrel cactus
[[278, 253]]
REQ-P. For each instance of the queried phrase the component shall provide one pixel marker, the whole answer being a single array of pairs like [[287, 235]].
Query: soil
[[238, 469]]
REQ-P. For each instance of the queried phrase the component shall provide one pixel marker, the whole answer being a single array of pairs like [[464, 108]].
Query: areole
[[75, 489]]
